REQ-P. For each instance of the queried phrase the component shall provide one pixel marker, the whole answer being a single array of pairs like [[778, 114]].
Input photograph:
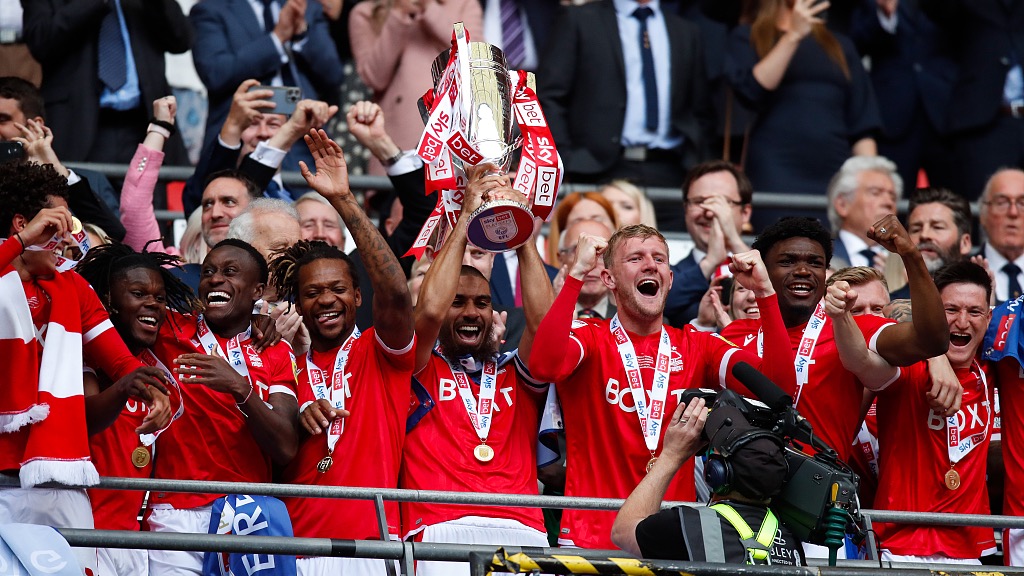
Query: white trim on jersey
[[96, 331], [723, 367]]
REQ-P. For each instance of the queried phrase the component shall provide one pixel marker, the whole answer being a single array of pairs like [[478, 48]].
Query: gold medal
[[324, 465], [76, 225], [952, 479], [140, 457], [483, 453], [650, 463]]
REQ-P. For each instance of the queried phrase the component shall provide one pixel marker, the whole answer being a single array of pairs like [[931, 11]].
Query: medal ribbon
[[650, 416], [480, 412], [208, 344], [958, 447], [336, 394], [149, 359], [809, 339]]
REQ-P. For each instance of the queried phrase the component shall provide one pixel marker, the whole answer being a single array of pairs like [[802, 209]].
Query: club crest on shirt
[[675, 364], [254, 358]]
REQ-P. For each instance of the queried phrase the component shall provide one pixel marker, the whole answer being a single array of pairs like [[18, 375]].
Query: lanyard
[[956, 446], [480, 411], [149, 359], [809, 339], [650, 416], [209, 345], [338, 386]]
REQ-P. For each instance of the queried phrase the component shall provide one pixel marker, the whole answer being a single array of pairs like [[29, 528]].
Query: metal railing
[[406, 552], [762, 200]]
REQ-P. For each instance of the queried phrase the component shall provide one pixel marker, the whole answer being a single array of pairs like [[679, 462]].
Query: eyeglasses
[[696, 202], [1001, 204]]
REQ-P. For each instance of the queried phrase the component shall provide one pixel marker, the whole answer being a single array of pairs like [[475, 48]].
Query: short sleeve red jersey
[[369, 451], [1010, 382], [439, 450], [211, 440], [605, 446], [913, 442], [831, 398]]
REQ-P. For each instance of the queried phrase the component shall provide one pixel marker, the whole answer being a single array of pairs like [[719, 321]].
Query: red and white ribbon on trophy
[[444, 136]]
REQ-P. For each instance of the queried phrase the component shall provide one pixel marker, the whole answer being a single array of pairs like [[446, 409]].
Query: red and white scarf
[[42, 406]]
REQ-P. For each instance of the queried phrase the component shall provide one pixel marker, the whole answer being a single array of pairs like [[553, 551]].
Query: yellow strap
[[765, 536]]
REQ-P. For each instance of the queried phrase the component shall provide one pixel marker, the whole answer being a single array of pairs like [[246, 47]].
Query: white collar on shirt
[[628, 6]]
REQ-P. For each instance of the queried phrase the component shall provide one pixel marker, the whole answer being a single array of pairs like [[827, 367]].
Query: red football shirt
[[1010, 381], [606, 453], [369, 451], [913, 462], [831, 399], [112, 454], [439, 451], [211, 440]]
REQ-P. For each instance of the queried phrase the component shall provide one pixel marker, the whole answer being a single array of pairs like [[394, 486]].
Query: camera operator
[[746, 467]]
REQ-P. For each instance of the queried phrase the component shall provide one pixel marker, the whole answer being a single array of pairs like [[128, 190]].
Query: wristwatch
[[389, 162]]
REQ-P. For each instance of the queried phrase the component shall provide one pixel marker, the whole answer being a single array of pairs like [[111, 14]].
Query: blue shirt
[[634, 131], [129, 96]]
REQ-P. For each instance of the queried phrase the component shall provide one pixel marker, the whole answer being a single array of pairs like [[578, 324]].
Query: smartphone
[[285, 98], [11, 151]]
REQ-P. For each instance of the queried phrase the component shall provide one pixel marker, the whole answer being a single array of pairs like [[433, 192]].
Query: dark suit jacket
[[540, 15], [910, 69], [232, 46], [216, 158], [502, 292], [985, 33], [62, 35], [688, 287], [582, 88]]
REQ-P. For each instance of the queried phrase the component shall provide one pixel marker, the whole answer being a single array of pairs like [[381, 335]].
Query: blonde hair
[[638, 196], [857, 276], [192, 246]]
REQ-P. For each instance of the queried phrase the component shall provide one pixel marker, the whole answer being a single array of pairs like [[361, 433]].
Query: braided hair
[[104, 264], [284, 268]]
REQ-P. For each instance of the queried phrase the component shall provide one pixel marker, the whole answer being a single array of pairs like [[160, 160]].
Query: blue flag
[[1003, 338], [245, 515]]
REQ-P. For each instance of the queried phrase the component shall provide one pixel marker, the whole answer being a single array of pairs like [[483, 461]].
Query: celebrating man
[[482, 434], [354, 387], [605, 371]]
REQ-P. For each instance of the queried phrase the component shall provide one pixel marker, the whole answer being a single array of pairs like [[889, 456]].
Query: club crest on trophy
[[480, 112]]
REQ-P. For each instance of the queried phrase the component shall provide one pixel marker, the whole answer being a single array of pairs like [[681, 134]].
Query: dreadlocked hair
[[102, 265], [284, 268]]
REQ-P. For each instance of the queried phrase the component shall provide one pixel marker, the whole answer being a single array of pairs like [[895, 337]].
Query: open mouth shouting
[[648, 287], [959, 339], [469, 334]]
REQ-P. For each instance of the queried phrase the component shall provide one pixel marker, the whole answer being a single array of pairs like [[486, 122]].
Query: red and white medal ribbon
[[480, 410], [80, 238], [336, 391], [958, 447], [149, 359], [650, 415], [809, 339], [208, 344]]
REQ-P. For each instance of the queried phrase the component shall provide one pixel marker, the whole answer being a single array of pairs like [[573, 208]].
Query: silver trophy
[[488, 125]]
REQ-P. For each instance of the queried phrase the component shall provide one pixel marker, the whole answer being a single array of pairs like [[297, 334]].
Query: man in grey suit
[[865, 189]]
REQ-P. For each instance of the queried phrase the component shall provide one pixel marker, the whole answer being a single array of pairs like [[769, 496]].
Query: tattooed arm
[[392, 305], [899, 310]]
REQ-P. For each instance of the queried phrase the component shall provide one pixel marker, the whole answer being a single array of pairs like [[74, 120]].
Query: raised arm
[[442, 280], [137, 214], [871, 369], [392, 305], [557, 356], [770, 70], [538, 295], [927, 334]]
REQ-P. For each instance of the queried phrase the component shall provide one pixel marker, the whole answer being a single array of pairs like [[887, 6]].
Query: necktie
[[274, 190], [647, 57], [870, 255], [512, 34], [287, 78], [586, 313], [112, 66], [1012, 271]]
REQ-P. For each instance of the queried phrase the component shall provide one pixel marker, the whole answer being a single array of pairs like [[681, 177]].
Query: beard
[[452, 348], [942, 257]]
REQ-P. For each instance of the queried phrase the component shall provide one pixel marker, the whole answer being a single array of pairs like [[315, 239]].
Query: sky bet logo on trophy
[[478, 112]]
